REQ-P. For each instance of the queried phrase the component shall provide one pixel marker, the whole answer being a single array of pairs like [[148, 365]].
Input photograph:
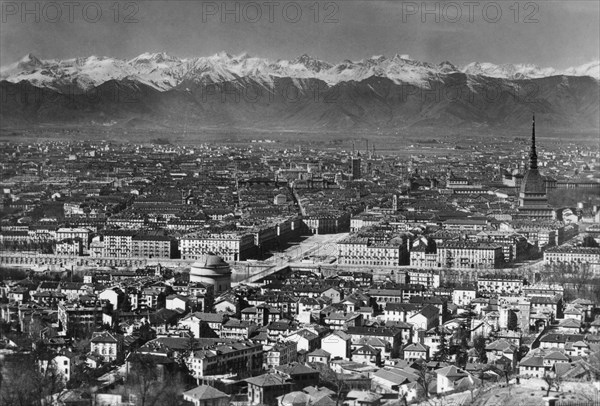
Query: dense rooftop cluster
[[271, 275]]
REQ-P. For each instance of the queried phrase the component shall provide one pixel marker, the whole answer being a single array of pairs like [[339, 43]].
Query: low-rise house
[[337, 344], [438, 301], [556, 340], [367, 354], [532, 366], [153, 297], [544, 304], [278, 330], [301, 375], [483, 327], [107, 345], [204, 324], [479, 304], [115, 296], [264, 389], [242, 358], [335, 295], [294, 398], [227, 304], [49, 299], [363, 398], [61, 363], [501, 348], [595, 326], [463, 296], [81, 317], [426, 319], [577, 349], [164, 320], [366, 312], [19, 294], [578, 370], [256, 316], [320, 356], [570, 326], [392, 335], [383, 346], [343, 320], [393, 380], [432, 339], [177, 302], [305, 339], [205, 395], [452, 378], [74, 290], [553, 357], [238, 330], [574, 313], [400, 311], [281, 354], [514, 337], [586, 306], [413, 352]]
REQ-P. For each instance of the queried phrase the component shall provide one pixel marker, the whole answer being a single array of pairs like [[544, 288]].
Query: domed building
[[533, 200], [212, 270]]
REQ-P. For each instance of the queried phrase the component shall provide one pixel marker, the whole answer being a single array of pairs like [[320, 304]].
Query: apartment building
[[225, 359], [229, 246], [153, 246]]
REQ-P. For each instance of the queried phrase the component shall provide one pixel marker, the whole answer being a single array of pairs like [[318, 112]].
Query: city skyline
[[311, 223]]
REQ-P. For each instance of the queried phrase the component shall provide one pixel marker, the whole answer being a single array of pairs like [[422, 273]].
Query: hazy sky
[[546, 33]]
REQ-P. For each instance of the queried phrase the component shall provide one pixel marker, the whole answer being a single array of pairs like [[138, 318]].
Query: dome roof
[[209, 261], [210, 266], [533, 182]]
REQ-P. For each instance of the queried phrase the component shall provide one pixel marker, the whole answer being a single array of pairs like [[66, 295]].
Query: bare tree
[[153, 384], [424, 379], [28, 384], [551, 381], [582, 276], [333, 380]]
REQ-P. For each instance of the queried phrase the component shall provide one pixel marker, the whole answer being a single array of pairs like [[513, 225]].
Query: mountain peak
[[31, 60], [164, 72], [368, 92], [157, 57], [447, 66], [311, 63], [222, 55], [512, 71], [378, 58], [404, 57], [243, 56], [303, 58]]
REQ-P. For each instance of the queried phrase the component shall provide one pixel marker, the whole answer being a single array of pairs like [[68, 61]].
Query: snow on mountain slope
[[528, 71], [589, 69], [164, 72]]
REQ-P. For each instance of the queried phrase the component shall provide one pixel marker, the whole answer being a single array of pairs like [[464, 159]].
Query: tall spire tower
[[533, 201], [533, 154]]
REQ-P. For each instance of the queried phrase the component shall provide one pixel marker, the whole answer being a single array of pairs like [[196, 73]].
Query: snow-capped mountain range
[[164, 72], [158, 91]]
